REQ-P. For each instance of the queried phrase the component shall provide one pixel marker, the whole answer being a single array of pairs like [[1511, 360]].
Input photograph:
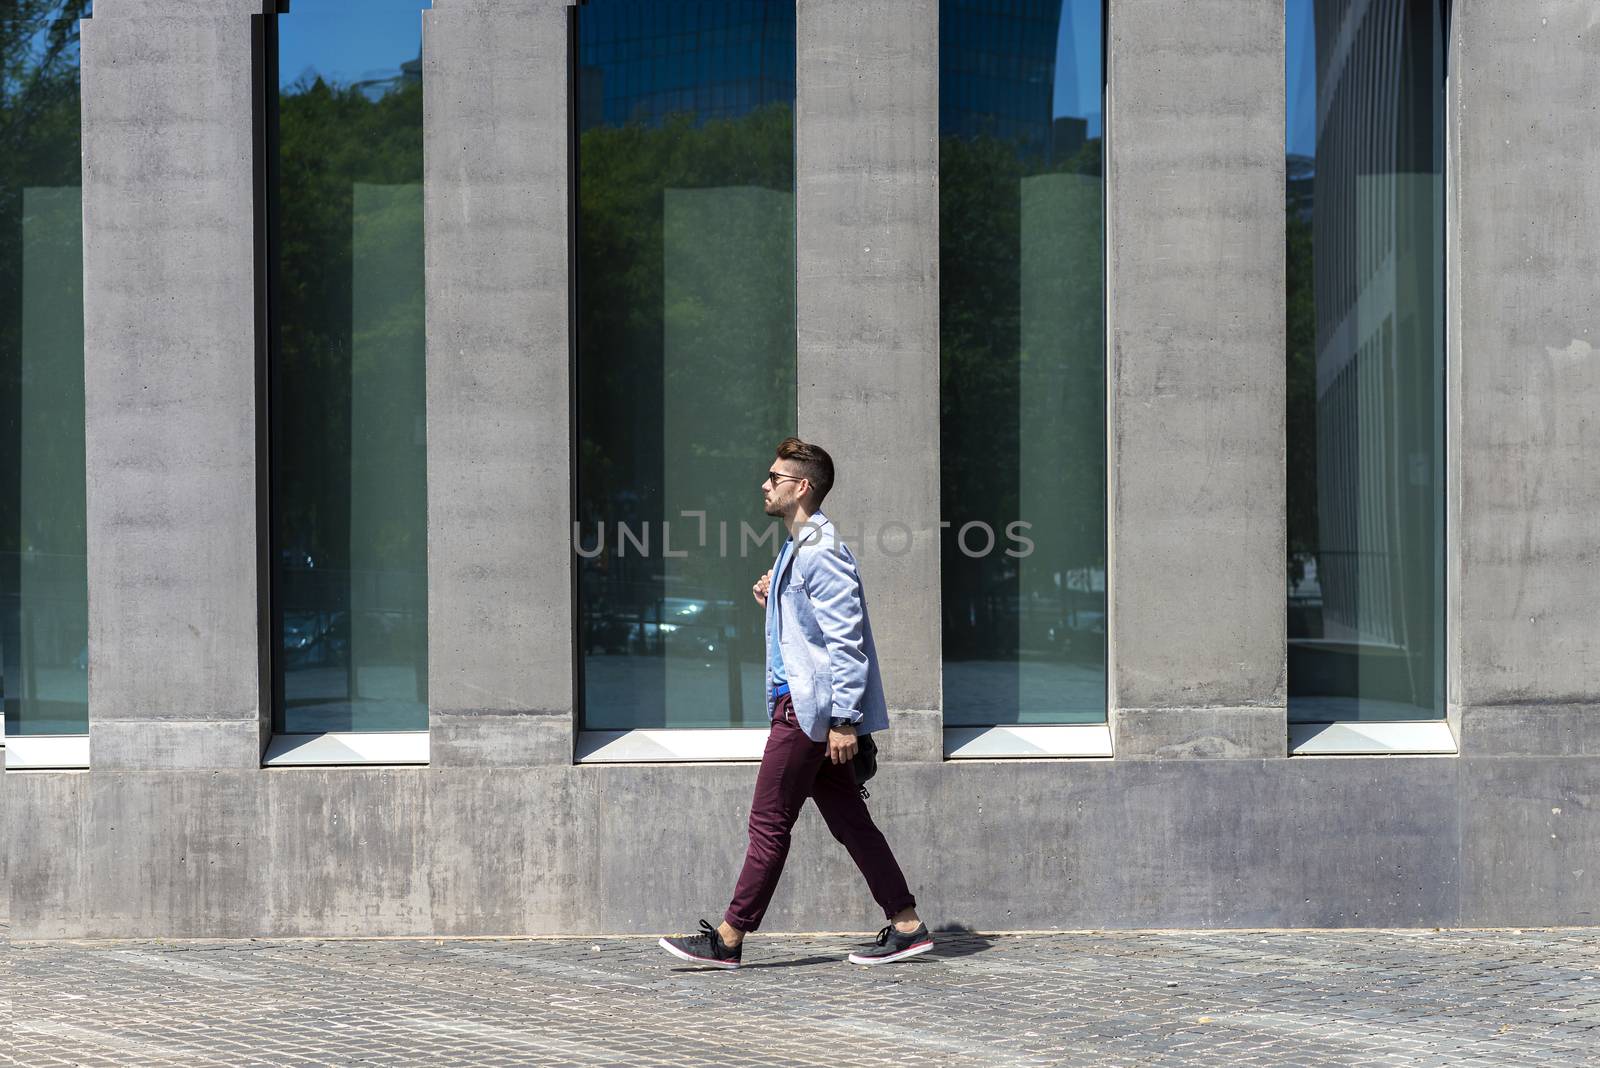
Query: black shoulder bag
[[865, 762]]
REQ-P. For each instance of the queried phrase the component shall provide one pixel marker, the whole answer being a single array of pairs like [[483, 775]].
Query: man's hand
[[842, 744], [763, 584]]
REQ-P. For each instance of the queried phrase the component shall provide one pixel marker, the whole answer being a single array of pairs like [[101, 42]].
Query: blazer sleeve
[[834, 586]]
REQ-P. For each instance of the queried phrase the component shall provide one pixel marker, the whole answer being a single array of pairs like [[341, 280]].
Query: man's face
[[783, 487]]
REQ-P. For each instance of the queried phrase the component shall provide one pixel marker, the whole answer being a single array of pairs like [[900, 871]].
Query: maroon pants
[[793, 767]]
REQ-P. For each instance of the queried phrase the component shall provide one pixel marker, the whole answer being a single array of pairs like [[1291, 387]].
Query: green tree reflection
[[43, 582], [39, 147], [347, 410], [1022, 426], [685, 383]]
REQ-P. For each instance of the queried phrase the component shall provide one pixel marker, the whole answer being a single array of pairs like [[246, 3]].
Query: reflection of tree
[[623, 173], [331, 138], [979, 349], [43, 582], [685, 383], [982, 370], [39, 147], [347, 396]]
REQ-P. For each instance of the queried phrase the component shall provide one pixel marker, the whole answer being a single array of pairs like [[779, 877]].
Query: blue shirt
[[774, 654]]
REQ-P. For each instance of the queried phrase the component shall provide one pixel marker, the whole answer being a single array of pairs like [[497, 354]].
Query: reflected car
[[314, 638], [1044, 624], [685, 626]]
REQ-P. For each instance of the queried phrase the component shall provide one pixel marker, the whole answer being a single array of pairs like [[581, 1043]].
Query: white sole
[[911, 951], [728, 965]]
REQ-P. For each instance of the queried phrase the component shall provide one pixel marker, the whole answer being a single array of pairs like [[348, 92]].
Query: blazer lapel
[[812, 530]]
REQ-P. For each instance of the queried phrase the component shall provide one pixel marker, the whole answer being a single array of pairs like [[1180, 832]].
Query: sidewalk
[[1176, 998]]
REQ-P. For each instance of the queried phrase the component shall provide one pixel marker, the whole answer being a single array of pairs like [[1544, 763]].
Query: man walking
[[823, 690]]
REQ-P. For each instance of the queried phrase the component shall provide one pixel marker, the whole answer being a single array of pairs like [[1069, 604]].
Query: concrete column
[[1196, 378], [176, 631], [1524, 374], [500, 635], [867, 316]]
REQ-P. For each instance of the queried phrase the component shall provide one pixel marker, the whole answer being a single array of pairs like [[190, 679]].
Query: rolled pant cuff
[[739, 923]]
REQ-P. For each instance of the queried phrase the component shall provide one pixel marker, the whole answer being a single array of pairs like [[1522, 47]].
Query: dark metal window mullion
[[268, 393]]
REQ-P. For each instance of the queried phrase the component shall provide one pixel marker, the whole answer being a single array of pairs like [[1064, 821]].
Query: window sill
[[1399, 738], [671, 746], [47, 752], [1022, 741], [347, 748]]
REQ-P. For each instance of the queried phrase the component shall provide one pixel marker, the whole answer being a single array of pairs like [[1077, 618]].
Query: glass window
[[686, 357], [1365, 360], [44, 615], [349, 498], [1022, 362]]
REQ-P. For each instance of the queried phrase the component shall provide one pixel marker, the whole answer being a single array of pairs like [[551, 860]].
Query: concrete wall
[[867, 320], [1524, 635], [1200, 819], [1300, 842], [172, 451], [500, 631], [1196, 377]]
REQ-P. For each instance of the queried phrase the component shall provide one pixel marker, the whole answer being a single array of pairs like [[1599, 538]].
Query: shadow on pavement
[[950, 942], [796, 962], [957, 941]]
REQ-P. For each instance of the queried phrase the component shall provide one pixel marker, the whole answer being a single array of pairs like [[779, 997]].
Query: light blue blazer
[[825, 636]]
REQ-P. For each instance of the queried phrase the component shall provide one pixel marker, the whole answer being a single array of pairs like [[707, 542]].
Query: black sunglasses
[[776, 476]]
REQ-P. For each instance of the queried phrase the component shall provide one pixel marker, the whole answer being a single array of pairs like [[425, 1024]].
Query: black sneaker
[[705, 948], [893, 946]]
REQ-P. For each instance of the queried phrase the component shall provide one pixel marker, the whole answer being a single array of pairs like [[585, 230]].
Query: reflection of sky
[[1078, 54], [39, 43], [348, 41], [1302, 79]]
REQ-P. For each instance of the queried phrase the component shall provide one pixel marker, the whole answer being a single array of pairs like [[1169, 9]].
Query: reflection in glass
[[44, 616], [1365, 352], [348, 449], [1022, 361], [686, 350]]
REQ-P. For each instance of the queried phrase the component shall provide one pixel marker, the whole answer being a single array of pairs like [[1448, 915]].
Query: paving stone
[[1230, 999]]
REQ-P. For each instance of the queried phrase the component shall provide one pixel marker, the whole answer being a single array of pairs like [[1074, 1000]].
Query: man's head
[[801, 475]]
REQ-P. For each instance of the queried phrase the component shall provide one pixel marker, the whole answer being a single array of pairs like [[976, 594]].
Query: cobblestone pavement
[[1175, 998]]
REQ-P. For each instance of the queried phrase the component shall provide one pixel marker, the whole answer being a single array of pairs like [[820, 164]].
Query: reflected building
[[375, 88], [639, 63], [999, 61], [1376, 189]]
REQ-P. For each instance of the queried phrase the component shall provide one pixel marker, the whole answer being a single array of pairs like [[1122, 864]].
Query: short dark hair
[[815, 463]]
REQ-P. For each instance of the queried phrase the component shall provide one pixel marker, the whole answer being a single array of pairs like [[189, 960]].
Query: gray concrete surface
[[867, 317], [1103, 1000], [1196, 318], [1298, 842], [170, 359], [1525, 370], [500, 688], [1198, 733]]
